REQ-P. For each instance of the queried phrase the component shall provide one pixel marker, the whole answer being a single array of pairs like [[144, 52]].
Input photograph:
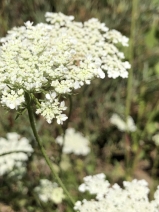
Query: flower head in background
[[54, 59], [95, 185], [74, 142], [14, 151], [122, 125], [155, 138], [49, 191], [133, 197]]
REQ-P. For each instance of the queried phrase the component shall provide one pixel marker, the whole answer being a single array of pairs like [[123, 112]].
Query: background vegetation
[[119, 155]]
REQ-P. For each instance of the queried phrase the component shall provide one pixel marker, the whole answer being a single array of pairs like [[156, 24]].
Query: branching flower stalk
[[33, 126]]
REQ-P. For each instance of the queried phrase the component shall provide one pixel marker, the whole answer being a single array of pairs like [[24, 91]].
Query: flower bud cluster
[[132, 197], [60, 56]]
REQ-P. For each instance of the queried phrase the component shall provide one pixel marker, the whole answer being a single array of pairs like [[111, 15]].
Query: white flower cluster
[[57, 57], [14, 151], [52, 108], [49, 191], [122, 125], [74, 142], [132, 198], [155, 138]]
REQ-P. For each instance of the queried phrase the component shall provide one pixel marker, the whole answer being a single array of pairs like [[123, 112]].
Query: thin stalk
[[70, 110], [127, 156], [131, 55], [33, 126], [64, 130], [155, 165], [150, 118], [142, 136], [11, 152], [134, 15]]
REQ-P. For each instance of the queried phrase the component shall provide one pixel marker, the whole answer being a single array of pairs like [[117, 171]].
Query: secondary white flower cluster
[[54, 59], [122, 125], [155, 138], [14, 151], [133, 197], [74, 142], [49, 191]]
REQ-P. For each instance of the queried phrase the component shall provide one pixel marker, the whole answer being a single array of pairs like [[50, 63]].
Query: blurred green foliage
[[93, 106]]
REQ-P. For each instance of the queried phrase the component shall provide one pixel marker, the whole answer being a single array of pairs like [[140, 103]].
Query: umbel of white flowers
[[49, 191], [121, 124], [14, 152], [133, 197], [80, 147], [54, 59]]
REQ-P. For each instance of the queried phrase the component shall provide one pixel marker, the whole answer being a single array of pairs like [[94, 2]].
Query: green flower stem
[[64, 130], [127, 157], [70, 110], [141, 136], [33, 126], [130, 78], [16, 151], [155, 165], [131, 55]]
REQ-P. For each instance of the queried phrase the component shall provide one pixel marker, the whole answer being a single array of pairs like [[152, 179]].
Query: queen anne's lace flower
[[57, 57], [155, 138], [52, 108], [12, 99], [74, 142], [116, 37], [133, 197], [95, 185], [122, 125], [13, 152], [49, 191]]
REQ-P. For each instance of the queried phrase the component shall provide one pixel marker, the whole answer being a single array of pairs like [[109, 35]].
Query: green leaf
[[157, 68], [150, 38]]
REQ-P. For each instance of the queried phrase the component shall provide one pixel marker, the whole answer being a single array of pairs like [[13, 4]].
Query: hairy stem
[[33, 126]]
